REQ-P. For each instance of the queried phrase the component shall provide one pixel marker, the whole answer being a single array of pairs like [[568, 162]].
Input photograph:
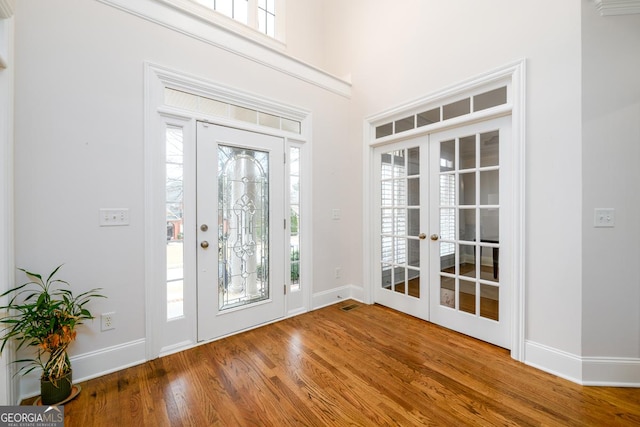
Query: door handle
[[204, 244], [434, 237], [422, 236]]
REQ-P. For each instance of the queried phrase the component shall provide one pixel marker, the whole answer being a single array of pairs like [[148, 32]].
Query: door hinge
[[285, 223], [284, 155], [285, 289]]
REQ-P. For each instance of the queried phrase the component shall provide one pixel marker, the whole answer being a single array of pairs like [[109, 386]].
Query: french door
[[402, 218], [240, 199], [444, 237]]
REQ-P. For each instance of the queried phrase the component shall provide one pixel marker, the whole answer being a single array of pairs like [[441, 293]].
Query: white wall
[[79, 147], [611, 179]]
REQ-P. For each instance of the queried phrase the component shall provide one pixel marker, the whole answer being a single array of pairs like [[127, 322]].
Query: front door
[[240, 218], [443, 229]]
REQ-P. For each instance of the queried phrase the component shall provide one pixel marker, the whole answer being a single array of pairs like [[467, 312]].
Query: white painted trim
[[553, 361], [611, 371], [176, 19], [93, 364], [514, 75], [588, 371], [157, 78], [617, 7], [335, 295]]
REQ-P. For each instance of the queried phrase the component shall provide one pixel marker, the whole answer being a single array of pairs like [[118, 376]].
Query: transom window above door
[[446, 111]]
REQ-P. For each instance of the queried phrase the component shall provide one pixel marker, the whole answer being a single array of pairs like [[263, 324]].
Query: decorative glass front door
[[240, 256]]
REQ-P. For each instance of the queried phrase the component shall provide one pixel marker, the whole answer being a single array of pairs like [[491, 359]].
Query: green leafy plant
[[44, 314]]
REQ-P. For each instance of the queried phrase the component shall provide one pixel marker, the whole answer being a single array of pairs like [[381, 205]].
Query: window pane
[[468, 152], [490, 149], [240, 11], [225, 7], [405, 124], [490, 99], [384, 130], [456, 109], [294, 219], [271, 25], [428, 117], [174, 188]]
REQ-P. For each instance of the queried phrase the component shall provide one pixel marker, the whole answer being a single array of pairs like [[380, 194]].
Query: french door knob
[[422, 236], [204, 227], [434, 237], [204, 244]]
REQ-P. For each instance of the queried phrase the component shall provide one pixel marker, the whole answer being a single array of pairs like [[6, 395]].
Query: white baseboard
[[611, 371], [93, 364], [588, 371], [557, 362], [333, 296]]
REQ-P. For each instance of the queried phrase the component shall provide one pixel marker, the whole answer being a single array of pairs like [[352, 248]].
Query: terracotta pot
[[52, 393]]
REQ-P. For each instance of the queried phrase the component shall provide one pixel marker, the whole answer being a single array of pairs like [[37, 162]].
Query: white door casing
[[512, 76], [168, 335]]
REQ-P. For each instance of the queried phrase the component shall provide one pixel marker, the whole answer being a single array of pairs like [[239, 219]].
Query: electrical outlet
[[107, 321]]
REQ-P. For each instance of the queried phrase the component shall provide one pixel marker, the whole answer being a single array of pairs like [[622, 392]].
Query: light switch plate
[[604, 217], [110, 217]]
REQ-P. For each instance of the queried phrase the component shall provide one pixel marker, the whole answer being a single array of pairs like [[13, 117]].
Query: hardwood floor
[[369, 366]]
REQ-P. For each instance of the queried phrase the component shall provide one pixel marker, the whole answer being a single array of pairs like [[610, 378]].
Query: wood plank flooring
[[369, 366]]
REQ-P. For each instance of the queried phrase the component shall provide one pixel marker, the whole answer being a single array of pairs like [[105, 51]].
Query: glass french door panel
[[469, 183], [413, 191], [400, 277], [413, 222], [243, 235], [489, 187], [467, 296], [467, 261], [489, 149], [447, 155], [467, 224], [468, 152], [490, 302], [467, 189], [400, 221], [413, 160], [399, 164], [413, 254], [448, 291]]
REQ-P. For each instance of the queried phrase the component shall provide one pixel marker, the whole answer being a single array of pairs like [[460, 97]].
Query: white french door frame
[[158, 117], [513, 77]]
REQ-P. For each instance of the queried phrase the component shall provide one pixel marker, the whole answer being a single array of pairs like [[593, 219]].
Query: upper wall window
[[261, 15]]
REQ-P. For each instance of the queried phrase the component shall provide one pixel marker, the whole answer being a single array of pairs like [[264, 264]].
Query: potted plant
[[44, 314]]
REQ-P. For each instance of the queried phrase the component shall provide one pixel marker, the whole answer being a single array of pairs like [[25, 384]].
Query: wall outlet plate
[[604, 217], [107, 321]]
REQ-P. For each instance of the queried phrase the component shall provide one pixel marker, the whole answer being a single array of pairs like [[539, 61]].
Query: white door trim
[[512, 75], [157, 116]]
